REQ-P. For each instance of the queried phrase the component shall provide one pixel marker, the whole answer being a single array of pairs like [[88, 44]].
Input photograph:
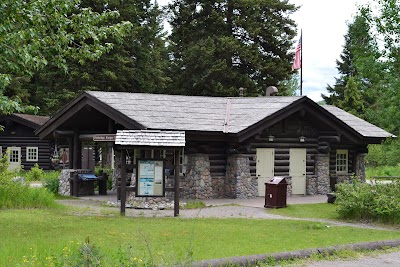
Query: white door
[[297, 170], [264, 167], [14, 158]]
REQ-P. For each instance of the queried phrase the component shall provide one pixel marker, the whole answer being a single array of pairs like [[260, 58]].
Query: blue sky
[[324, 24]]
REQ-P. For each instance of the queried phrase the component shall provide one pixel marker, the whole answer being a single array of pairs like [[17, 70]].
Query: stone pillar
[[64, 186], [116, 171], [312, 185], [360, 166], [197, 183], [239, 182], [322, 173]]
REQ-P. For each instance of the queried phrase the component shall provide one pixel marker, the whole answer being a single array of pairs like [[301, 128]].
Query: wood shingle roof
[[150, 138]]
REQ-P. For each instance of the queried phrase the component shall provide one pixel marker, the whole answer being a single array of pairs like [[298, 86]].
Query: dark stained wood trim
[[313, 108], [76, 105], [176, 191], [210, 136], [20, 120], [270, 120], [121, 147], [123, 181]]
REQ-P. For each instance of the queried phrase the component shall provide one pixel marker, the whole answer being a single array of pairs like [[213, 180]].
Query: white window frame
[[342, 161], [34, 151]]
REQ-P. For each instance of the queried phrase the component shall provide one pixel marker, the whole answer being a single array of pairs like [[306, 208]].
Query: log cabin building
[[26, 149], [233, 144]]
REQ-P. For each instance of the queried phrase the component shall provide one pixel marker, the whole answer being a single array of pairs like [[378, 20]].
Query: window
[[32, 153], [341, 161]]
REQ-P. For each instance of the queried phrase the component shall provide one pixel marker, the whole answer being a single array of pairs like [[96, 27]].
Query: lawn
[[317, 211], [42, 233]]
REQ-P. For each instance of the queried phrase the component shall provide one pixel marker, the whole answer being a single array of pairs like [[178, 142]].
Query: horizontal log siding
[[217, 155], [23, 142]]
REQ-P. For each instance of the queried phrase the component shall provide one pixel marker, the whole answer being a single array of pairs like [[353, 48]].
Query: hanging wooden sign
[[104, 138]]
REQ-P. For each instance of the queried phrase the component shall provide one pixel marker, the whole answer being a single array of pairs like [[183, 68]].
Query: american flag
[[297, 57]]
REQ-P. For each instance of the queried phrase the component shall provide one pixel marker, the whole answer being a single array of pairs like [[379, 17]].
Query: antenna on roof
[[271, 91]]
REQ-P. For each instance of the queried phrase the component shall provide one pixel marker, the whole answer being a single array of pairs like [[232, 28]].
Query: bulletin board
[[150, 178]]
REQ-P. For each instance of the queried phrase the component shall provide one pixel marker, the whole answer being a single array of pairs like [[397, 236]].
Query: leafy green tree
[[359, 68], [221, 45], [137, 63], [35, 34], [384, 17], [291, 86]]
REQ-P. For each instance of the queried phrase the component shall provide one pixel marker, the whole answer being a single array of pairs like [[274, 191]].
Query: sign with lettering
[[104, 138], [150, 178]]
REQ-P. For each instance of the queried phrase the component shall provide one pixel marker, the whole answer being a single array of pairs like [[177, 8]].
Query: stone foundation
[[312, 185], [116, 174], [64, 186], [344, 178], [289, 191], [218, 187], [239, 182], [360, 167], [322, 173], [197, 183]]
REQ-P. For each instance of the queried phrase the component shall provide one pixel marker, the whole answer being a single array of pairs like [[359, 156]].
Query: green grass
[[49, 232], [382, 171], [316, 211]]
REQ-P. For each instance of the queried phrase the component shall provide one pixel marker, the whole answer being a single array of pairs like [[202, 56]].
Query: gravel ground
[[385, 259], [224, 208]]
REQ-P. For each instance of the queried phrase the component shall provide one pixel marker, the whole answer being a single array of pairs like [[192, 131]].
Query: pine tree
[[221, 45]]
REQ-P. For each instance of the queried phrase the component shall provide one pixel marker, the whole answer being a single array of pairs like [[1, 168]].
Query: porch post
[[77, 160], [70, 152], [123, 181], [176, 191]]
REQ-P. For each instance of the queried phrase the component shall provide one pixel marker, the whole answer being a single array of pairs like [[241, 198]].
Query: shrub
[[51, 181], [17, 195], [35, 173], [372, 202]]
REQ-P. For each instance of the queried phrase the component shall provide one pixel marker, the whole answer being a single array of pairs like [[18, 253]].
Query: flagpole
[[301, 63]]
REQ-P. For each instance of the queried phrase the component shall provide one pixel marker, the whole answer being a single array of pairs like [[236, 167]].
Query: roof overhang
[[150, 138], [78, 104], [20, 120], [312, 108]]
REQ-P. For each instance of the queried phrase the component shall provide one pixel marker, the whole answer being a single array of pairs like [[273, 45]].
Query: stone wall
[[218, 187], [239, 182], [312, 185], [360, 166], [344, 178], [197, 183], [64, 183], [116, 174], [64, 186], [289, 186], [322, 173]]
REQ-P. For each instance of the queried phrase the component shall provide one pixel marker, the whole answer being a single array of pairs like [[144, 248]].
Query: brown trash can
[[276, 192]]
